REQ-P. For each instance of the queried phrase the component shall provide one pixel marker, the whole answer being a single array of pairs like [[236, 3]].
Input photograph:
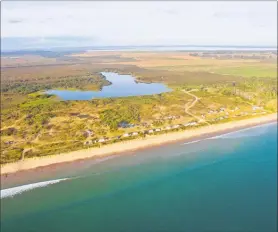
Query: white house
[[101, 140], [256, 107], [126, 135]]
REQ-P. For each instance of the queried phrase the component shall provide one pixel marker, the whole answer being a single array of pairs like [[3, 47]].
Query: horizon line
[[3, 50]]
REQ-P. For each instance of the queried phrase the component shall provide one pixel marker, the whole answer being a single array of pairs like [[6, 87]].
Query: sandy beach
[[135, 144]]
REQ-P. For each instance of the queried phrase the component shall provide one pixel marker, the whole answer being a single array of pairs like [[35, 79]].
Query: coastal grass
[[43, 125], [250, 71], [71, 153]]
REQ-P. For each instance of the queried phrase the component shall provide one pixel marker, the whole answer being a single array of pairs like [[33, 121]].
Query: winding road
[[188, 106]]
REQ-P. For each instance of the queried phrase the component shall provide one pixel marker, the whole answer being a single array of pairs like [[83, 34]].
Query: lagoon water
[[122, 86], [222, 184]]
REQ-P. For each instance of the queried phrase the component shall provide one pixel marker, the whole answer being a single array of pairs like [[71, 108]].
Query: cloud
[[144, 23]]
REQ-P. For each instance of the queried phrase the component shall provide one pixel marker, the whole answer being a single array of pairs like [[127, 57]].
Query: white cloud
[[140, 23]]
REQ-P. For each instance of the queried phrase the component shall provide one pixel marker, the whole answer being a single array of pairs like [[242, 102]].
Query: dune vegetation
[[207, 88]]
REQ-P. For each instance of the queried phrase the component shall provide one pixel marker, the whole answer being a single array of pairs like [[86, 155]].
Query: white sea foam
[[195, 141], [10, 192], [246, 132], [237, 134]]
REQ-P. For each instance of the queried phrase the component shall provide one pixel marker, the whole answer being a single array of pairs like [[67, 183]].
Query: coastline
[[136, 144]]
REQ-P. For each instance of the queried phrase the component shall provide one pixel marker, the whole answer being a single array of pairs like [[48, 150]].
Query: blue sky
[[39, 24]]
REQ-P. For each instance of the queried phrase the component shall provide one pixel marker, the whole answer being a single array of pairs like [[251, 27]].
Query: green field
[[250, 71]]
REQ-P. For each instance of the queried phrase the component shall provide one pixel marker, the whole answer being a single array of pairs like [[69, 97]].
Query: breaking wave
[[195, 141], [10, 192], [246, 132]]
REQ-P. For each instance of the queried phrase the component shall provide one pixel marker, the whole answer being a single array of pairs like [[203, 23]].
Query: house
[[83, 116], [126, 135], [172, 117], [74, 114], [176, 126], [158, 129], [150, 131], [9, 142], [116, 138], [88, 142], [125, 124], [134, 134], [102, 140], [168, 128], [256, 108], [144, 124], [89, 132]]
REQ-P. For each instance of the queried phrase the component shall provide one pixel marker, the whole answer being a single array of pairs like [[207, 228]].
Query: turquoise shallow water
[[224, 184]]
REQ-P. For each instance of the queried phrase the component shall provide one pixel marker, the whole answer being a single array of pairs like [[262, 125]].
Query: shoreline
[[136, 144]]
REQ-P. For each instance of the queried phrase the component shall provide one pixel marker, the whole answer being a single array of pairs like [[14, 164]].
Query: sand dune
[[134, 144]]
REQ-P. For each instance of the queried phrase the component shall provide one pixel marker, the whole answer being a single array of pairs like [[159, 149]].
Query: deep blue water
[[223, 184], [122, 86]]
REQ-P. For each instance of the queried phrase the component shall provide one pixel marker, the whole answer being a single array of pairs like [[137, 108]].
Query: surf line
[[10, 192], [230, 133], [241, 130], [194, 141]]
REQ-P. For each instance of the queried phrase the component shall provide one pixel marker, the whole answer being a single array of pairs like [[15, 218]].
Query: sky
[[61, 23]]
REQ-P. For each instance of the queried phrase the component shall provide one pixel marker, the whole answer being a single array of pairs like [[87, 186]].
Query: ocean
[[226, 183]]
